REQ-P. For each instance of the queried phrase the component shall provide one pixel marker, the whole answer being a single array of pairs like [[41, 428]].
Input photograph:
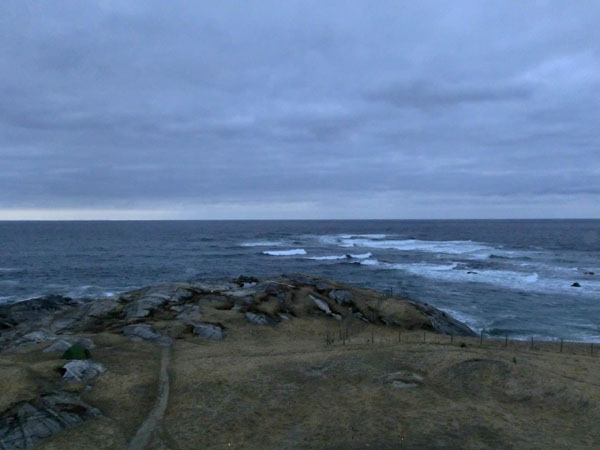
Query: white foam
[[370, 262], [366, 236], [337, 257], [296, 251], [261, 244], [415, 245], [9, 269]]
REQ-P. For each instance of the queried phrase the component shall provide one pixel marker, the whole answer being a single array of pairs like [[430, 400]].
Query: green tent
[[76, 351]]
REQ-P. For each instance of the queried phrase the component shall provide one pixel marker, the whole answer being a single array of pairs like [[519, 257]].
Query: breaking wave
[[296, 251], [261, 244], [337, 257]]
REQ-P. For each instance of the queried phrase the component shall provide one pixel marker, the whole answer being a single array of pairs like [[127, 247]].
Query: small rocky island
[[294, 361]]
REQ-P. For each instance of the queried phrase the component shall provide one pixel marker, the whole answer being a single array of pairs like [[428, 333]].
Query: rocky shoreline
[[261, 302], [211, 362]]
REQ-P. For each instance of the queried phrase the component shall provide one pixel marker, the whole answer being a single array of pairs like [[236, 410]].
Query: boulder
[[36, 337], [141, 331], [81, 370], [323, 306], [341, 296], [323, 286], [575, 285], [258, 318], [209, 331]]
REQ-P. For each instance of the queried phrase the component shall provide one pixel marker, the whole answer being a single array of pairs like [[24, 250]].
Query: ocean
[[502, 277]]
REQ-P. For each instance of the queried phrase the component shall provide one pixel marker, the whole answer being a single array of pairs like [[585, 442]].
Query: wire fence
[[353, 333]]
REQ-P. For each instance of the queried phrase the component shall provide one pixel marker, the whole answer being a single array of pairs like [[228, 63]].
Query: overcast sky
[[283, 109]]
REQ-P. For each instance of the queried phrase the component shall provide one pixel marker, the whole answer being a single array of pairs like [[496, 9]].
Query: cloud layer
[[299, 109]]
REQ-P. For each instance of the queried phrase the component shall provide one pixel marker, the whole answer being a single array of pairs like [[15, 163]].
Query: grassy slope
[[282, 387]]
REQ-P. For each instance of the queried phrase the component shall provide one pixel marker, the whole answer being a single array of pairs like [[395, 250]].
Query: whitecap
[[451, 247], [370, 262], [338, 257], [261, 244], [10, 269], [296, 251]]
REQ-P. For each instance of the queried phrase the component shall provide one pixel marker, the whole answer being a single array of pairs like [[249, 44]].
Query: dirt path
[[146, 430]]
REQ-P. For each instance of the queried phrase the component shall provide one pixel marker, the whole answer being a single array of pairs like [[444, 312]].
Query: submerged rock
[[575, 285]]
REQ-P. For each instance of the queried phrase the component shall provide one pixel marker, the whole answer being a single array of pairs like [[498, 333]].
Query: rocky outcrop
[[28, 422], [59, 320]]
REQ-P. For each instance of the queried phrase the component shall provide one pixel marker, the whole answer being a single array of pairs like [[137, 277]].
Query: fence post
[[424, 336], [531, 345], [399, 336], [481, 339], [561, 345], [592, 349], [372, 336], [506, 340], [451, 339]]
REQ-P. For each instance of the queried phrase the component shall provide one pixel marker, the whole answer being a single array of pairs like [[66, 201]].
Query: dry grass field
[[284, 387]]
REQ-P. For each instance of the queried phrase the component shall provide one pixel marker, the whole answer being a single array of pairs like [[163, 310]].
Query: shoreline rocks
[[201, 304]]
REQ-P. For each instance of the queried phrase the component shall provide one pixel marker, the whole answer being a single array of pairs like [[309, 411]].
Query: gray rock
[[322, 286], [103, 307], [36, 337], [258, 318], [82, 370], [442, 322], [63, 344], [189, 314], [58, 346], [341, 296], [26, 423], [209, 331], [141, 331], [321, 304], [324, 306], [144, 307]]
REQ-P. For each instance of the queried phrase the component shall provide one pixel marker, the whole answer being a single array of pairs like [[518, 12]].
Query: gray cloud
[[314, 110]]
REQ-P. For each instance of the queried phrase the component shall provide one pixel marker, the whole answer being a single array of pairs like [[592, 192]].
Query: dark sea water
[[499, 276]]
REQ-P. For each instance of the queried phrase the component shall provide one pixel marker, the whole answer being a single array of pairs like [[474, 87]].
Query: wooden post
[[451, 339], [399, 336], [506, 340], [561, 345], [372, 336], [531, 345], [423, 336], [481, 339], [592, 349]]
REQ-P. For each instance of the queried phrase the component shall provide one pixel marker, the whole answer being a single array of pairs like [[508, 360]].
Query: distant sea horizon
[[515, 277]]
